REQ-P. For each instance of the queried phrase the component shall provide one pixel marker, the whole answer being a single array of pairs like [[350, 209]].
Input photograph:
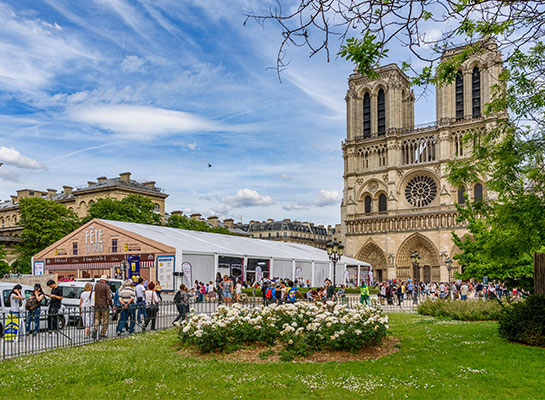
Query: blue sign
[[134, 268]]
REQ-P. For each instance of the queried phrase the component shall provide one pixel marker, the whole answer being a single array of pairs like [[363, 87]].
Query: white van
[[5, 289]]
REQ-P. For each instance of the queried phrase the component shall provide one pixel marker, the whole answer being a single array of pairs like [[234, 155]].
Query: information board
[[165, 272]]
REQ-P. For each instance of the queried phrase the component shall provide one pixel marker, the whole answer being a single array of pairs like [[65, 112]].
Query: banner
[[186, 268], [39, 267], [134, 268], [165, 272], [12, 327]]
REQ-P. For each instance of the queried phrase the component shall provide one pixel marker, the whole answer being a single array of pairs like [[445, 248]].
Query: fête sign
[[93, 240]]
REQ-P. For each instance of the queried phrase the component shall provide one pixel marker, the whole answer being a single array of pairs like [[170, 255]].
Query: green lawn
[[438, 360]]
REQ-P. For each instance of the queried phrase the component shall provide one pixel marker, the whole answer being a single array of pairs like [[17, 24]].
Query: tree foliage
[[43, 222], [509, 157], [4, 266], [182, 222], [133, 208]]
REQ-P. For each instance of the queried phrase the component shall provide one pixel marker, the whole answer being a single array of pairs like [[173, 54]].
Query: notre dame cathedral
[[396, 196]]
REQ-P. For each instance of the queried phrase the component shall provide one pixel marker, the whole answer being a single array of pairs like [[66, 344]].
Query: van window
[[69, 292], [7, 303], [114, 286], [28, 293]]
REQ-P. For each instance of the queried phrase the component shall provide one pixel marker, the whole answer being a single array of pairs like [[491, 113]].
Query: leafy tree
[[133, 208], [43, 222], [182, 222], [4, 266], [510, 226]]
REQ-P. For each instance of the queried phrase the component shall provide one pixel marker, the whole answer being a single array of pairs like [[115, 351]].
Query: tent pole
[[293, 269], [312, 274], [358, 278]]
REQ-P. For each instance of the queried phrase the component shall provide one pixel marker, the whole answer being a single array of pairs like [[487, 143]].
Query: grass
[[438, 360]]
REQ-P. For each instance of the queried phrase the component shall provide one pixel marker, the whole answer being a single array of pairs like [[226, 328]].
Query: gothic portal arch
[[374, 255], [428, 264]]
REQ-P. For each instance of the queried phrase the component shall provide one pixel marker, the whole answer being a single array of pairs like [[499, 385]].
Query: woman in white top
[[152, 305], [86, 307]]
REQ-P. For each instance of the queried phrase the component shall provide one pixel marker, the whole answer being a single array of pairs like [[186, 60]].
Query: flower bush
[[301, 327]]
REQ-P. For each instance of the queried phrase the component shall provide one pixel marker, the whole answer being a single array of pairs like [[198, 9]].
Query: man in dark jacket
[[103, 299]]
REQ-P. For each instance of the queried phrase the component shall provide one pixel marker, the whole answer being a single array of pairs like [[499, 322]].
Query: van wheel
[[62, 322]]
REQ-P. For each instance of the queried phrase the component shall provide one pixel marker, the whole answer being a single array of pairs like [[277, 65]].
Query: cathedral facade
[[396, 197]]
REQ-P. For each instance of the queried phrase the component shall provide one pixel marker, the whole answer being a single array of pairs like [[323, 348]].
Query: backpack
[[178, 297], [268, 293], [31, 303]]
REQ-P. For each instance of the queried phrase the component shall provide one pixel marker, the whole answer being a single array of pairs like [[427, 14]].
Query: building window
[[367, 204], [461, 198], [114, 245], [478, 192], [382, 203], [476, 92], [459, 96], [381, 113], [157, 208], [75, 248], [366, 115], [421, 191]]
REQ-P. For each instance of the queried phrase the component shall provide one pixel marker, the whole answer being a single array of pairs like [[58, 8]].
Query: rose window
[[420, 191]]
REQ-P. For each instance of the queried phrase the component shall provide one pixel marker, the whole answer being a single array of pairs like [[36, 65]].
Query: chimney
[[176, 212], [286, 220], [125, 176], [101, 179], [51, 193], [270, 220], [13, 199], [195, 216], [229, 222], [91, 183], [213, 220], [67, 190], [150, 184]]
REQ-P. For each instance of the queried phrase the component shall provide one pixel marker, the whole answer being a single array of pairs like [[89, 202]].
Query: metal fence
[[75, 327]]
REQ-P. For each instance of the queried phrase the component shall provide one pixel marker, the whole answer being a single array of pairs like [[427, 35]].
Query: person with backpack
[[152, 305], [292, 292], [181, 299], [270, 294], [33, 306]]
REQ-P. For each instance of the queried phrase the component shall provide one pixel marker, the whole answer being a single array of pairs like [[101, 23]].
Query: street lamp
[[448, 261], [334, 251], [416, 270]]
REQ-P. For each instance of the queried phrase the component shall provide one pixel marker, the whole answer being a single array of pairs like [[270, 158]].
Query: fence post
[[539, 273]]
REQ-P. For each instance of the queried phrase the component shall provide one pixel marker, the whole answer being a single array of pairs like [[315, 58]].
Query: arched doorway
[[428, 265], [374, 255]]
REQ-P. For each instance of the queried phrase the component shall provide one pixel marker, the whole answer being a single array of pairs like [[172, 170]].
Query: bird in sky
[[209, 165]]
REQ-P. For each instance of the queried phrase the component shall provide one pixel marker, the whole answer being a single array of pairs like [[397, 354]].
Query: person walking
[[128, 309], [152, 305], [54, 306], [227, 288], [86, 307], [218, 288], [181, 299], [238, 291], [34, 307], [140, 304], [103, 300]]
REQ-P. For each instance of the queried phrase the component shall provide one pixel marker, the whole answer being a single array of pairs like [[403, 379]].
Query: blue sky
[[161, 88]]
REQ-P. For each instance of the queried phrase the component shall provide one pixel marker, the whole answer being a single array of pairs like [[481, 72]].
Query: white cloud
[[294, 206], [190, 146], [247, 198], [286, 177], [8, 175], [327, 198], [139, 122], [132, 63], [8, 155]]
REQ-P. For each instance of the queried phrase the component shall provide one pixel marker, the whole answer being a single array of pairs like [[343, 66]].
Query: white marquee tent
[[199, 255]]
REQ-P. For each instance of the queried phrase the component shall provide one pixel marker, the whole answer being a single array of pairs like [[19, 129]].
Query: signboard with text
[[134, 268], [39, 267], [165, 272]]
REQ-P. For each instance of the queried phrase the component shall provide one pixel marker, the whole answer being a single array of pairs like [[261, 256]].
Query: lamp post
[[448, 261], [334, 251], [416, 274]]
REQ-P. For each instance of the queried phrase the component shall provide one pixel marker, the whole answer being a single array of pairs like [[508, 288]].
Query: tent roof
[[195, 242]]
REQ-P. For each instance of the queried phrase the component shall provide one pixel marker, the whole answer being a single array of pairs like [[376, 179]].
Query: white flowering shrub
[[301, 327]]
